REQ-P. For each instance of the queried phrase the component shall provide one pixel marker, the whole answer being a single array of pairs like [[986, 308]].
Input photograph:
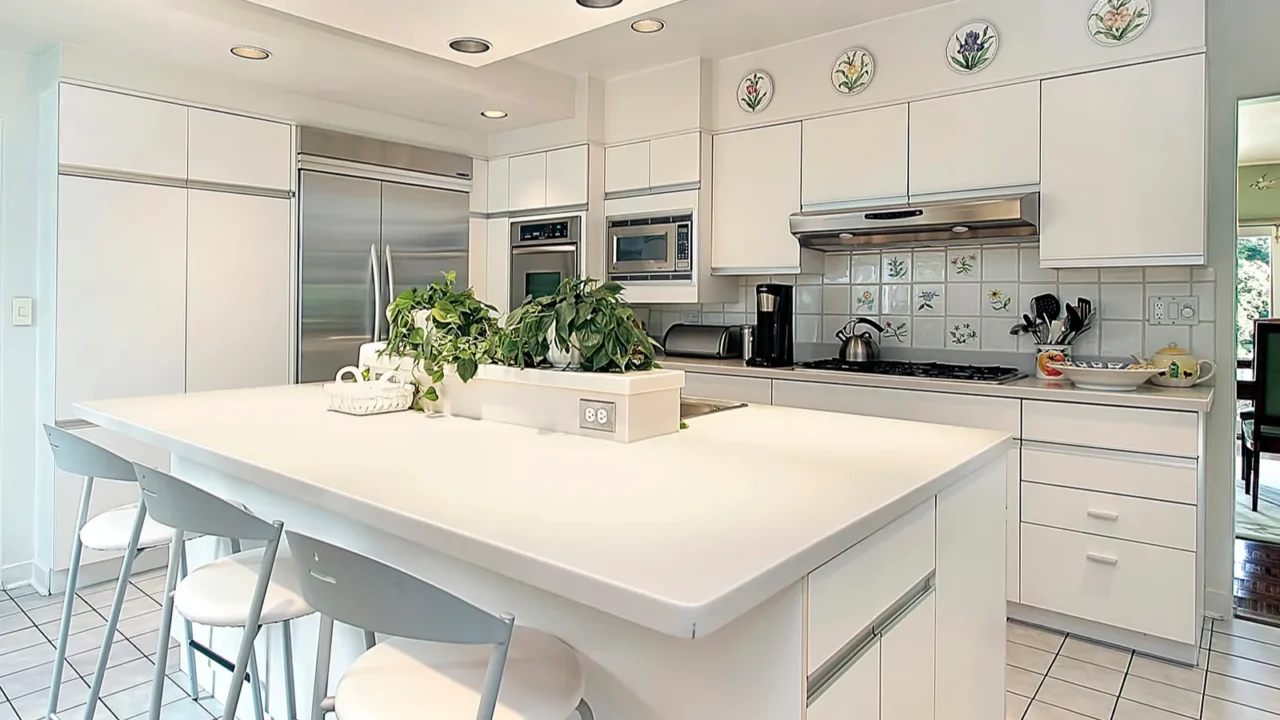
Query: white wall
[[1037, 38]]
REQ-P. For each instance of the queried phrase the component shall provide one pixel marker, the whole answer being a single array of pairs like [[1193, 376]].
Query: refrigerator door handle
[[391, 278], [377, 290]]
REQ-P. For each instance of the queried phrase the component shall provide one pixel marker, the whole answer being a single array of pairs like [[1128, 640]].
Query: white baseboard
[[1218, 605], [49, 582], [1107, 634], [16, 575]]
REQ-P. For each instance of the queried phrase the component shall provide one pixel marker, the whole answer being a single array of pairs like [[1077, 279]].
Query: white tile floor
[[29, 632], [1049, 676]]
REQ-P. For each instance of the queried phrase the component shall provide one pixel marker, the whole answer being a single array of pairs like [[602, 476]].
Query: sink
[[697, 407]]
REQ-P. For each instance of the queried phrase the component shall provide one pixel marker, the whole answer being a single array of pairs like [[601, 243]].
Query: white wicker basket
[[389, 393]]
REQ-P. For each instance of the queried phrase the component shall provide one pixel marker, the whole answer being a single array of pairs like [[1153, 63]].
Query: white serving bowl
[[1109, 379]]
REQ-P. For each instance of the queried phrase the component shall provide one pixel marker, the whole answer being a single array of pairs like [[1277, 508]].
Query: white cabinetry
[[479, 186], [855, 694], [859, 157], [976, 141], [498, 261], [667, 162], [113, 131], [567, 177], [1124, 166], [626, 168], [906, 665], [121, 291], [528, 182], [755, 191], [541, 180], [238, 280], [238, 150], [499, 186]]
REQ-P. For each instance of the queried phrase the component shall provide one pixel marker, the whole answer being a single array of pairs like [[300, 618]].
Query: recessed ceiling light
[[648, 25], [493, 114], [249, 52], [470, 45], [599, 3]]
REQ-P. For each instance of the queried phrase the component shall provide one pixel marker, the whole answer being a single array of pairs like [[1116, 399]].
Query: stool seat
[[220, 593], [110, 530], [401, 678]]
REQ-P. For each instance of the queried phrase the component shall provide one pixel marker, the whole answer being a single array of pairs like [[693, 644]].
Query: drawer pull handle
[[1103, 515], [1104, 559]]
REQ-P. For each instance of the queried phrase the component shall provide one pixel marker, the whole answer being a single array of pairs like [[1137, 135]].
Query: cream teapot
[[1178, 368]]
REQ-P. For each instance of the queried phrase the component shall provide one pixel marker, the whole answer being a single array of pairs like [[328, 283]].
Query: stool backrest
[[1266, 372], [183, 506], [74, 454]]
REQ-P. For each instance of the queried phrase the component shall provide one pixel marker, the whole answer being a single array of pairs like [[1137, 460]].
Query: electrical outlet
[[597, 415], [1173, 310], [692, 317]]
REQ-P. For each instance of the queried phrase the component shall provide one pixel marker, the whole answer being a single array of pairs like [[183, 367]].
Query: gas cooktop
[[990, 374]]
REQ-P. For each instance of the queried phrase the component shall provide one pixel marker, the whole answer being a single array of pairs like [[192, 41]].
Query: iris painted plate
[[972, 47]]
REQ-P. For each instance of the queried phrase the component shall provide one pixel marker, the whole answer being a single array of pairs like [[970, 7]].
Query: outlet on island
[[597, 415]]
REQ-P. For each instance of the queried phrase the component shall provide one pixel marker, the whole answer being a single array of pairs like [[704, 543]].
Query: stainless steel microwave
[[651, 247]]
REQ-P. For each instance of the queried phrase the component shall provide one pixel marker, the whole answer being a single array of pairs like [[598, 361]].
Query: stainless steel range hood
[[920, 225]]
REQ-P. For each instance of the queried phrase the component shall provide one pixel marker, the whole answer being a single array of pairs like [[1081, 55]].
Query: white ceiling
[[426, 26], [1260, 132]]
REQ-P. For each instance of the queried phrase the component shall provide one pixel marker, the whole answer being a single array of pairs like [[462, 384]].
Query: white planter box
[[644, 404]]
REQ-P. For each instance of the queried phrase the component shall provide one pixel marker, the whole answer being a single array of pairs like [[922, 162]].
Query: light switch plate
[[22, 311], [1173, 310], [597, 415], [692, 317]]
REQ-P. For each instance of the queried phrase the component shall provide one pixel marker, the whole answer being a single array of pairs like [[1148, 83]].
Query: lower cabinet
[[727, 387], [856, 693], [906, 665]]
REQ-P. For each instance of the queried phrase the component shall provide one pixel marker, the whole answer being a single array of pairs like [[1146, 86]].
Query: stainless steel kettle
[[859, 347]]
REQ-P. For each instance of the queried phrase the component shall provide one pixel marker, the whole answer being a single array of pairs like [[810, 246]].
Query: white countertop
[[1194, 399], [681, 533]]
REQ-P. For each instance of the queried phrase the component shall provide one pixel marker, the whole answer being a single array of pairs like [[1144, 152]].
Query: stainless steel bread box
[[703, 341]]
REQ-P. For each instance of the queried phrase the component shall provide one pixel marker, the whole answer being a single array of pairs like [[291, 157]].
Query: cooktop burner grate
[[994, 374]]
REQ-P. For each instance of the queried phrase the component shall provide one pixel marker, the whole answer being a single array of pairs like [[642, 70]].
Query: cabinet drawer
[[726, 387], [856, 694], [1129, 585], [1158, 478], [1151, 431], [932, 407], [842, 603], [1128, 518]]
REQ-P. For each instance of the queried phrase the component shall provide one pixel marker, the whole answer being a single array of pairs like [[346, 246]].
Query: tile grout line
[[1045, 676], [1208, 654]]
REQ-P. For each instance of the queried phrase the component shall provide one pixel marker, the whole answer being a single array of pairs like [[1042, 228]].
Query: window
[[1255, 283]]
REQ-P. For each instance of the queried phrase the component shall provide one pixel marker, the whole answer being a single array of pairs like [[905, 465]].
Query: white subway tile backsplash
[[1000, 264], [865, 268], [995, 335], [809, 298], [964, 299], [1202, 342], [1120, 337], [831, 324], [865, 300], [928, 300], [736, 318], [1202, 274], [1000, 299], [1122, 301], [1204, 292], [1174, 288], [1089, 343], [1158, 337], [807, 280], [1078, 275], [895, 266], [835, 300], [740, 305], [807, 328], [963, 333], [929, 265], [835, 268], [1122, 275], [895, 300], [1168, 274], [712, 318], [1030, 270], [1072, 292], [964, 265], [928, 332]]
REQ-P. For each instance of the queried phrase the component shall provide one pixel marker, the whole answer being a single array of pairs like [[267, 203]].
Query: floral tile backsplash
[[967, 298]]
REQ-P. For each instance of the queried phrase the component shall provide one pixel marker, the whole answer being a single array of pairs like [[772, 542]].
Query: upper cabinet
[[542, 180], [856, 157], [238, 150], [499, 186], [755, 191], [479, 186], [1124, 167], [976, 141], [655, 164], [112, 131]]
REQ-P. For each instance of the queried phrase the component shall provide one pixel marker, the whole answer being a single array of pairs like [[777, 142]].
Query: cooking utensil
[[859, 347], [1047, 306], [1075, 323]]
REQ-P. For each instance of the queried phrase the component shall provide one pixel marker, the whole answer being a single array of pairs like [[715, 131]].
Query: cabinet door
[[906, 665], [756, 188], [122, 291], [858, 156], [238, 281], [498, 276], [226, 148], [477, 256], [626, 167], [529, 182], [675, 160], [113, 131], [1124, 168], [1012, 524], [567, 177], [977, 140], [479, 186], [499, 185], [856, 694]]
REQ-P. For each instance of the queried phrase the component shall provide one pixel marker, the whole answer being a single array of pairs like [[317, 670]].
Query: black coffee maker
[[773, 338]]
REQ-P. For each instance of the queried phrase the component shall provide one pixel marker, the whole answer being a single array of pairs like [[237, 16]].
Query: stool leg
[[113, 619], [369, 640], [290, 691], [193, 688], [324, 654], [584, 711], [252, 623], [255, 683], [68, 603], [166, 624]]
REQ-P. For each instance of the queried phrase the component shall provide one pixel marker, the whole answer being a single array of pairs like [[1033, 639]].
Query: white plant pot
[[559, 357]]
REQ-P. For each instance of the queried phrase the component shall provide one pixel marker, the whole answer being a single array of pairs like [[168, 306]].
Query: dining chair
[[128, 529], [445, 659], [1260, 426], [247, 589]]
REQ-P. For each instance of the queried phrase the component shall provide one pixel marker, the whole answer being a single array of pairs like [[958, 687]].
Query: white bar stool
[[248, 589], [127, 528], [448, 659]]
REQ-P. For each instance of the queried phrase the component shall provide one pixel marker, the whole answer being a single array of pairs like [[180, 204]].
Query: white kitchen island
[[761, 561]]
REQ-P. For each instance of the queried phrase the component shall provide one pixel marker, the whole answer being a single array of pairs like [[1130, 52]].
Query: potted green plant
[[439, 327], [584, 324]]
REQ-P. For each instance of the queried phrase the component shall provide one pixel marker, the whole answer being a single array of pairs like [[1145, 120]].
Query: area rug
[[1263, 525]]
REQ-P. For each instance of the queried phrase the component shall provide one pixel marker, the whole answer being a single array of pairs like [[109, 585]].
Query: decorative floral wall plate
[[972, 47], [1116, 22], [853, 71], [755, 92]]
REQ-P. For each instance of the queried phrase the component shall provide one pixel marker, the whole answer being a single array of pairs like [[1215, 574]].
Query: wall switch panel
[[692, 317], [22, 311], [1173, 310], [597, 415]]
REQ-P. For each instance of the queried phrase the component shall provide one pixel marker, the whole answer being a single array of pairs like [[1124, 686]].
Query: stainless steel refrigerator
[[368, 232]]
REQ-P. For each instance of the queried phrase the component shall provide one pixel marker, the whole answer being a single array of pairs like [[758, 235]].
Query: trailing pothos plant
[[438, 327], [583, 315]]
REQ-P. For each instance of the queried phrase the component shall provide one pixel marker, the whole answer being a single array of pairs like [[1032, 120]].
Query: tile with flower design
[[866, 300], [896, 267], [928, 300], [897, 331], [1000, 299], [962, 333], [964, 265]]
